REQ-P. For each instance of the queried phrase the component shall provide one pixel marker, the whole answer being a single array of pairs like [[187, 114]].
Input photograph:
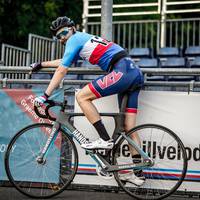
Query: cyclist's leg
[[84, 99], [130, 122], [106, 85], [117, 81], [130, 116]]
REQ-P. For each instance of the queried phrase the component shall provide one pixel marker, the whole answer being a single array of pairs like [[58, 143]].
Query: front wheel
[[166, 150], [46, 179]]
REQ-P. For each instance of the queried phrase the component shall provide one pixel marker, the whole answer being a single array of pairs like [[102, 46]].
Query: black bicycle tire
[[7, 168], [185, 164]]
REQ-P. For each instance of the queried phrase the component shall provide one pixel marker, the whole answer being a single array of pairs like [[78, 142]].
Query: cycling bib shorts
[[124, 75]]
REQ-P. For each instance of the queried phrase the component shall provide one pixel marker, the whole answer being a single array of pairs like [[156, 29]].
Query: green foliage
[[18, 18]]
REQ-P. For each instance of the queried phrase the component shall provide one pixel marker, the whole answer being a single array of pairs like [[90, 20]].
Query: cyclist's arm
[[71, 52], [52, 63], [57, 78]]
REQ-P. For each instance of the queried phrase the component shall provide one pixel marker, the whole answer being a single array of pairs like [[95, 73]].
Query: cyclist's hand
[[39, 101], [35, 67]]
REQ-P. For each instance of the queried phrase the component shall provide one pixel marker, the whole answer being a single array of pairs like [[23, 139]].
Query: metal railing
[[172, 7], [131, 34], [59, 49], [42, 48], [189, 85], [22, 56], [182, 32], [15, 56], [165, 32]]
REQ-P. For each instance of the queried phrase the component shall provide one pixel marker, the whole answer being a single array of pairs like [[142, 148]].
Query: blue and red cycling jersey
[[91, 48], [101, 52]]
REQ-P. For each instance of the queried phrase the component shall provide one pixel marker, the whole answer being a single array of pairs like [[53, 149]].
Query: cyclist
[[110, 57]]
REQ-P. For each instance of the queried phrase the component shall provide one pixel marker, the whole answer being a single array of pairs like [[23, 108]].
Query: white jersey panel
[[87, 49]]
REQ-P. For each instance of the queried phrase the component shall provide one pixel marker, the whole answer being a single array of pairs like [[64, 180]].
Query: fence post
[[30, 47], [106, 19], [163, 24], [3, 53], [85, 15], [53, 51]]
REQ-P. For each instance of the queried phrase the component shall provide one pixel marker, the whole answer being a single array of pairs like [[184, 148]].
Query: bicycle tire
[[63, 149], [144, 192]]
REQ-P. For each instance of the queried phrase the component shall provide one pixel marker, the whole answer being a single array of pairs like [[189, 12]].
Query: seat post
[[119, 120]]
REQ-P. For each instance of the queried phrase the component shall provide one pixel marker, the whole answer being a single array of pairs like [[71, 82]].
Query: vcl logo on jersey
[[109, 80]]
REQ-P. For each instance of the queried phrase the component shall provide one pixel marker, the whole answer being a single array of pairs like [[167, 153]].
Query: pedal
[[103, 173]]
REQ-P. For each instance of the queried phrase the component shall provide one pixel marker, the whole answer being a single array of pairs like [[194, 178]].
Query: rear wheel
[[170, 162], [46, 179]]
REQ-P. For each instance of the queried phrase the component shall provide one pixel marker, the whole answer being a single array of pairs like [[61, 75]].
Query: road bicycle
[[42, 159]]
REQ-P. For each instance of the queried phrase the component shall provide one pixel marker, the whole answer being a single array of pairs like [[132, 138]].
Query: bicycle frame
[[63, 120]]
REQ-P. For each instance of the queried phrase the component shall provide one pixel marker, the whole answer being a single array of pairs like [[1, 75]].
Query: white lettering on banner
[[3, 148], [49, 140], [80, 137], [28, 104]]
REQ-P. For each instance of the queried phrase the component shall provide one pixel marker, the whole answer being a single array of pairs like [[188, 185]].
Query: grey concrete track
[[7, 193]]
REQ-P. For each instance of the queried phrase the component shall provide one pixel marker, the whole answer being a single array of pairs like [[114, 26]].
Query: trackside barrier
[[167, 108], [162, 107], [18, 104], [190, 85]]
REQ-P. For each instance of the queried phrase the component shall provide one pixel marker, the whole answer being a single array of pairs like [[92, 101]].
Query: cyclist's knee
[[79, 97], [83, 96]]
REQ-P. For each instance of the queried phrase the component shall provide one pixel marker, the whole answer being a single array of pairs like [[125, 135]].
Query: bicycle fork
[[52, 137]]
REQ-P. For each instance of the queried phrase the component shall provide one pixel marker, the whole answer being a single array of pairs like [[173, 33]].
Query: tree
[[18, 18]]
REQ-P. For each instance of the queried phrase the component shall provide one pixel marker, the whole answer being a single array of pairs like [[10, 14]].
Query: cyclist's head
[[62, 28]]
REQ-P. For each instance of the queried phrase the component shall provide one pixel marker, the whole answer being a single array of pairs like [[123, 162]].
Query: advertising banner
[[178, 111], [16, 112]]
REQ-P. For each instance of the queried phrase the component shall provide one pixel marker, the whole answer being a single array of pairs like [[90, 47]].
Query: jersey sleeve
[[71, 53]]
